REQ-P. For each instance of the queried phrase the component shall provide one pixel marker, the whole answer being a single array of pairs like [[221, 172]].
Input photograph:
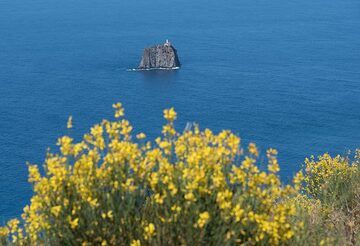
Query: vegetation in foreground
[[190, 188]]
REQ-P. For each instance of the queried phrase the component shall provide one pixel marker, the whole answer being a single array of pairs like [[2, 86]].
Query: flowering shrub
[[331, 195], [320, 173], [190, 188]]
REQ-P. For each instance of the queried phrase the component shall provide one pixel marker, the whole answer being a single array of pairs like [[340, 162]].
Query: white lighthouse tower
[[167, 43]]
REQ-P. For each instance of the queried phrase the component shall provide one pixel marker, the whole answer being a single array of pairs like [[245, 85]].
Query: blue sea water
[[282, 74]]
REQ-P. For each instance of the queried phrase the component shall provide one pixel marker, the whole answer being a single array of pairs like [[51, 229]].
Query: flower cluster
[[319, 173], [331, 191], [194, 187]]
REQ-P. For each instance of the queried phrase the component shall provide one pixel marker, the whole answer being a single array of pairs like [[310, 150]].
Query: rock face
[[160, 57]]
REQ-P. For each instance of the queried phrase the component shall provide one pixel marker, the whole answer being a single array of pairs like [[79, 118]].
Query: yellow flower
[[34, 174], [159, 199], [253, 150], [56, 210], [298, 179], [65, 144], [129, 185], [103, 215], [238, 213], [4, 231], [135, 243], [203, 219], [190, 197], [176, 208], [110, 214], [168, 130], [149, 231], [289, 234], [13, 225], [154, 179], [273, 165], [69, 122], [119, 110], [74, 223], [141, 136], [224, 199], [173, 189], [93, 202], [170, 114]]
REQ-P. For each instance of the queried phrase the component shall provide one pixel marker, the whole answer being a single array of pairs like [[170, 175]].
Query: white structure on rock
[[167, 43]]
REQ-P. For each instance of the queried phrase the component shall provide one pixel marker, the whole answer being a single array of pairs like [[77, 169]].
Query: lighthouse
[[167, 43]]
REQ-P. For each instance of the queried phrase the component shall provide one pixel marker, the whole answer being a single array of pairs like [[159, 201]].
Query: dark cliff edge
[[160, 57]]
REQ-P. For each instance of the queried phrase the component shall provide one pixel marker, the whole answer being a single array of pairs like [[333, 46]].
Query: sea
[[283, 74]]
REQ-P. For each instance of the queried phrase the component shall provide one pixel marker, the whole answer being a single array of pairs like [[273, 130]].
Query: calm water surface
[[284, 74]]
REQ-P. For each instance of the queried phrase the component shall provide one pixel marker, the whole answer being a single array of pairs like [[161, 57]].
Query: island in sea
[[162, 56]]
